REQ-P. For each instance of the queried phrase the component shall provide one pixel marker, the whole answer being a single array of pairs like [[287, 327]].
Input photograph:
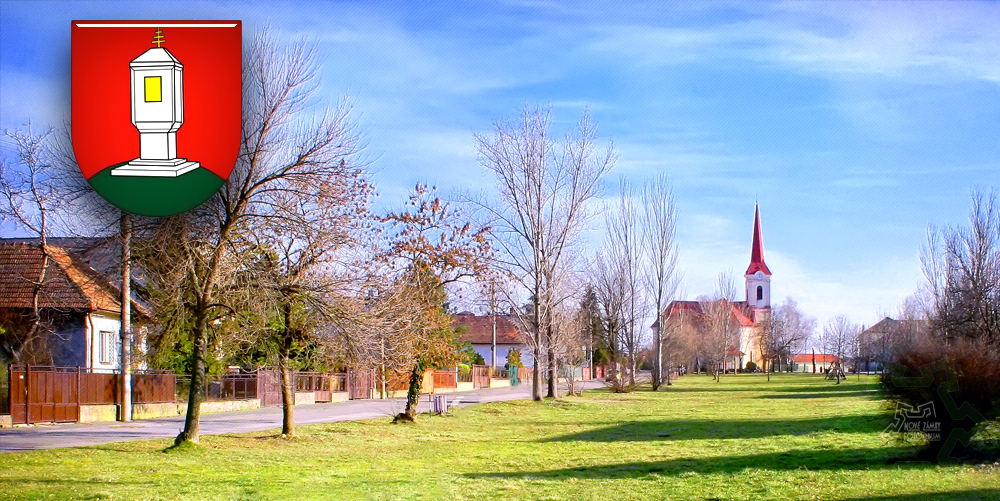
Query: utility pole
[[126, 317]]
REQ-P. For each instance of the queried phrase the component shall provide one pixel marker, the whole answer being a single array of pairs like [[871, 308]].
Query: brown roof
[[479, 329], [69, 283]]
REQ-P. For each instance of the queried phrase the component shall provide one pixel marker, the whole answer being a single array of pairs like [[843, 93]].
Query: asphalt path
[[53, 436]]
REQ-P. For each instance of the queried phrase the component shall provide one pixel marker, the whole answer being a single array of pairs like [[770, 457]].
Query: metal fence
[[225, 387]]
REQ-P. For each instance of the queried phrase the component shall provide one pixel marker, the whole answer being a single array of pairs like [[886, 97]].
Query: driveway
[[75, 434]]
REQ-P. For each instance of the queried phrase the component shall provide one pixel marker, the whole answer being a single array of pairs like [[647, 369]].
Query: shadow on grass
[[695, 429], [864, 393], [797, 459], [824, 386], [966, 495]]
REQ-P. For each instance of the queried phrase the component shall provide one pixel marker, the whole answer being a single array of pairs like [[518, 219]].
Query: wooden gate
[[360, 384], [54, 394], [268, 387], [480, 376]]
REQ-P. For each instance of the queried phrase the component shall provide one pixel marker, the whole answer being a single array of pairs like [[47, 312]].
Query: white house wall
[[484, 350], [96, 323]]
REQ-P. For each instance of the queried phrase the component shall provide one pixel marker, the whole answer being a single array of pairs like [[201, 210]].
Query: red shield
[[201, 91]]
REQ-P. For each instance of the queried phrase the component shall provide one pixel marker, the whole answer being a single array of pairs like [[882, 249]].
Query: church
[[742, 320]]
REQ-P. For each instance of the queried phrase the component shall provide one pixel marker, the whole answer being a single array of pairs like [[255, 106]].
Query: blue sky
[[855, 125]]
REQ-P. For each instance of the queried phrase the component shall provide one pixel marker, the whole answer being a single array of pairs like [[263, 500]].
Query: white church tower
[[758, 277]]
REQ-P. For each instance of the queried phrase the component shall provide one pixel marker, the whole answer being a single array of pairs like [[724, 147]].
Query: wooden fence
[[36, 394], [154, 387], [445, 379]]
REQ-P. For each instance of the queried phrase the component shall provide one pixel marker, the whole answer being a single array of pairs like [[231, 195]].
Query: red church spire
[[757, 253]]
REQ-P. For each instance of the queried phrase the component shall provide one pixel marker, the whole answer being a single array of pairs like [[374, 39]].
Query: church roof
[[757, 252], [741, 313]]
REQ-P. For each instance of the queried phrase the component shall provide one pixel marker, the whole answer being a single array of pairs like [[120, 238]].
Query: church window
[[760, 293]]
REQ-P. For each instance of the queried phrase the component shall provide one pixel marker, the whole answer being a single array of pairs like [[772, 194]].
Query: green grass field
[[796, 437]]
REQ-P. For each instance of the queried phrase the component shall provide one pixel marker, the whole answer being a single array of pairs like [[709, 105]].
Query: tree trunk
[[412, 394], [669, 368], [287, 388], [657, 373], [536, 373], [192, 426], [553, 392]]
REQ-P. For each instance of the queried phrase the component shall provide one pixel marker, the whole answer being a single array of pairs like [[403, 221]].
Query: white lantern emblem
[[157, 112]]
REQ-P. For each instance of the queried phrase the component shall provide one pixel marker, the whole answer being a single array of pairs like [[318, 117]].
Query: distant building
[[877, 342], [747, 317], [814, 363], [80, 307], [479, 333]]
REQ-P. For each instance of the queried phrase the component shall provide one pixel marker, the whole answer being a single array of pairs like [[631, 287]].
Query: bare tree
[[32, 196], [962, 266], [839, 336], [722, 328], [784, 331], [624, 248], [610, 291], [659, 227], [961, 339], [544, 189], [282, 150], [299, 264]]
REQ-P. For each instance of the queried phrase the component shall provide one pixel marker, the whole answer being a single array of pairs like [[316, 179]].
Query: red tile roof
[[68, 284], [741, 313], [807, 358], [479, 329]]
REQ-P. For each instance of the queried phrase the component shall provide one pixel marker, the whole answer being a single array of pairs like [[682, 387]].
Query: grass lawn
[[796, 437]]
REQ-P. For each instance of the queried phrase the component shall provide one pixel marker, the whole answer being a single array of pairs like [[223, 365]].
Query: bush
[[471, 357], [751, 367], [945, 390], [464, 371], [514, 358]]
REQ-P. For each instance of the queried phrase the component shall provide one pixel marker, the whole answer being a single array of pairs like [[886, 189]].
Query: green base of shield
[[156, 196]]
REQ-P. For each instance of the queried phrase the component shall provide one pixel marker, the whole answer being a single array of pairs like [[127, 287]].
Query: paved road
[[75, 434]]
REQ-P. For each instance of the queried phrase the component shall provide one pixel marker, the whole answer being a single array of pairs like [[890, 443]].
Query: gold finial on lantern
[[158, 38]]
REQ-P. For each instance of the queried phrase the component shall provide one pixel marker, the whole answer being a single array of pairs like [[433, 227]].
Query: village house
[[877, 342], [479, 332], [79, 307]]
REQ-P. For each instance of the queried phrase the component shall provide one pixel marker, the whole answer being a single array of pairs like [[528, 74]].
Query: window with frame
[[108, 347]]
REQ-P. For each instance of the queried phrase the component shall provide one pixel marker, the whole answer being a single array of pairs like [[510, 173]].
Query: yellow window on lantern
[[153, 94]]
